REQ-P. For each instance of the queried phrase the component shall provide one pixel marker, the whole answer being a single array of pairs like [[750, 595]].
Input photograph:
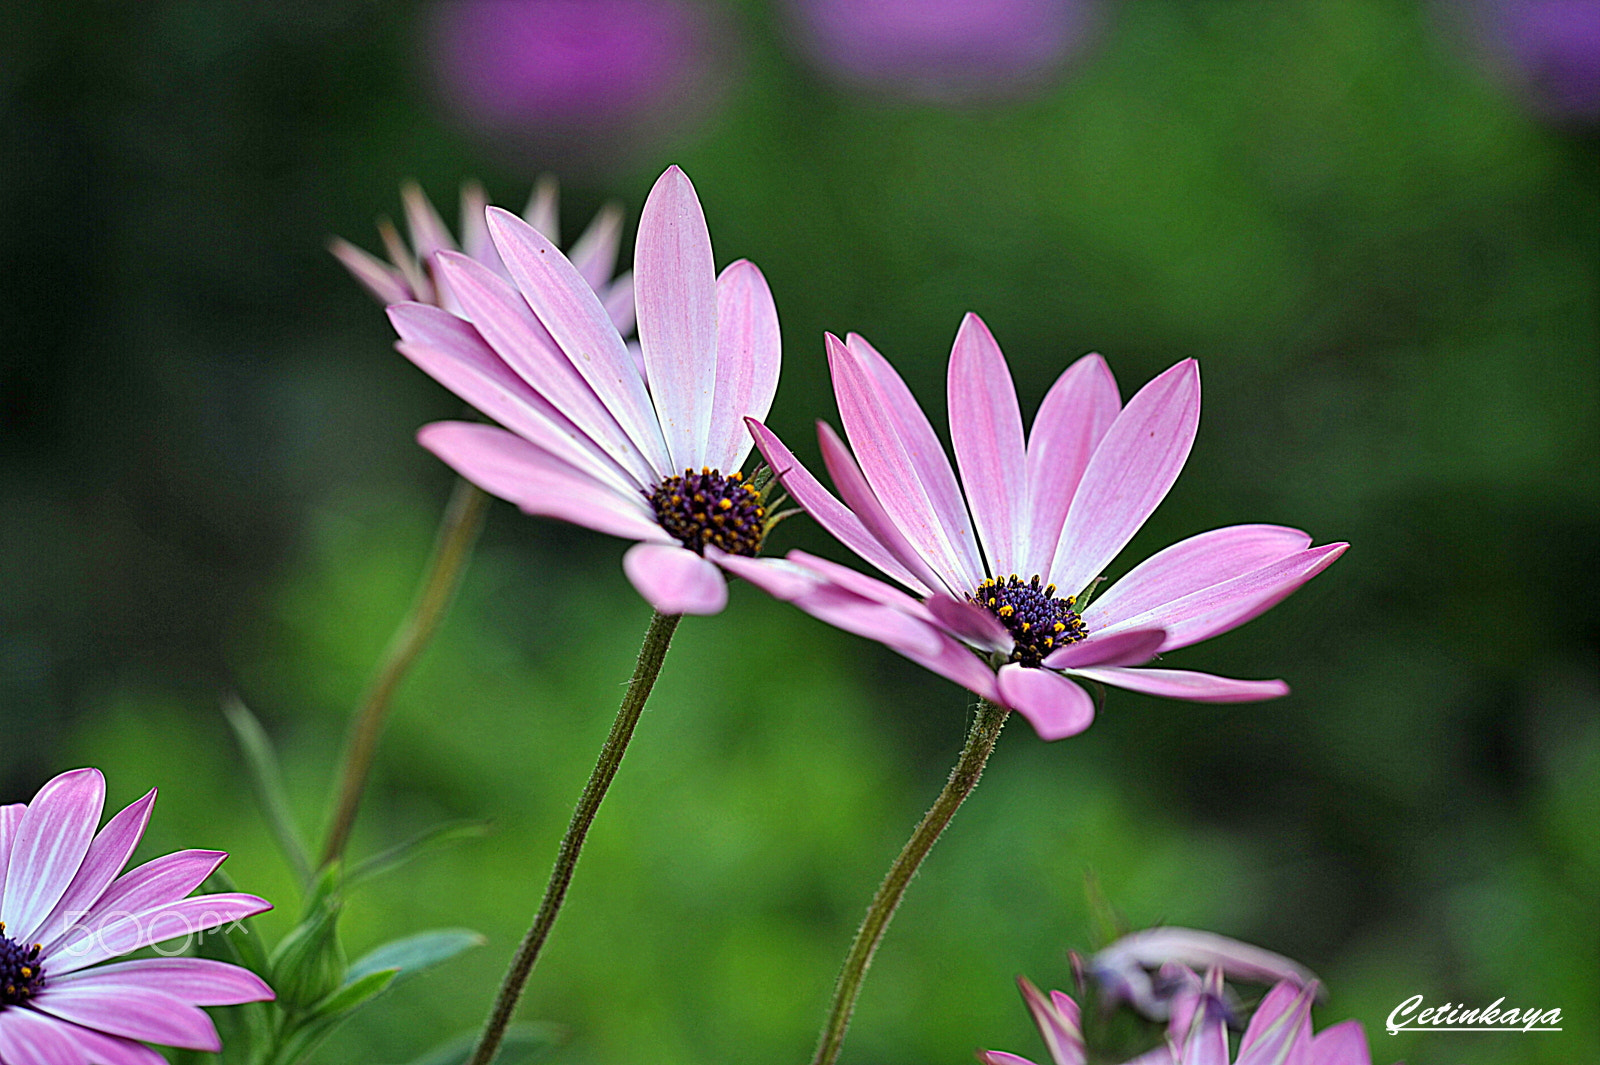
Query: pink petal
[[675, 580], [778, 577], [150, 886], [1184, 684], [1280, 1031], [503, 396], [970, 623], [864, 585], [1062, 1035], [543, 212], [582, 330], [134, 1013], [986, 429], [863, 502], [1071, 422], [594, 256], [1341, 1044], [107, 855], [749, 350], [620, 308], [1128, 475], [199, 981], [30, 1038], [508, 466], [1054, 705], [105, 1049], [832, 515], [905, 465], [10, 818], [122, 931], [1000, 1057], [675, 290], [385, 283], [1190, 565], [1203, 614], [503, 319], [475, 242], [451, 351], [1206, 1041], [1132, 648], [49, 846], [429, 234]]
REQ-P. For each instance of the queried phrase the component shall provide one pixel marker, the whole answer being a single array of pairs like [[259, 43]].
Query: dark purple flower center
[[1035, 618], [21, 975], [708, 508]]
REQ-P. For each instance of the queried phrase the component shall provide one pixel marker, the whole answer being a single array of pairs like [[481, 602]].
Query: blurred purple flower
[[949, 50], [64, 909], [575, 77], [1279, 1032], [1554, 47], [1123, 969]]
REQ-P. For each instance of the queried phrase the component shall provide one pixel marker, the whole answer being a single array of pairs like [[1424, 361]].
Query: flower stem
[[452, 548], [656, 640], [986, 725]]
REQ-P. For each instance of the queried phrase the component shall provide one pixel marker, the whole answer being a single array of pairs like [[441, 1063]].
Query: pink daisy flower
[[1279, 1032], [645, 447], [64, 910], [998, 563]]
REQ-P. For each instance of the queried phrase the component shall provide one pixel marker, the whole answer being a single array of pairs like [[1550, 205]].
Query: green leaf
[[523, 1044], [356, 992], [414, 954], [267, 782], [418, 845]]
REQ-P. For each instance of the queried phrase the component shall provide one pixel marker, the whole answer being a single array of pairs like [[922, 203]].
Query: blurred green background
[[1383, 255]]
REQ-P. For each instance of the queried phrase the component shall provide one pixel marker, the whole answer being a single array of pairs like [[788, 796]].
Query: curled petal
[[1054, 705], [674, 579], [969, 622]]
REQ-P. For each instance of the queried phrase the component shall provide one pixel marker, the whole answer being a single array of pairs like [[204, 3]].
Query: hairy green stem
[[452, 548], [986, 725], [656, 640]]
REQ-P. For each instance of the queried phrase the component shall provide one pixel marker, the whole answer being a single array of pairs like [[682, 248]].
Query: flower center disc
[[21, 977], [708, 508], [1035, 618]]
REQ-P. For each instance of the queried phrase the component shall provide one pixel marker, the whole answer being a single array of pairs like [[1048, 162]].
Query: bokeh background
[[1375, 222]]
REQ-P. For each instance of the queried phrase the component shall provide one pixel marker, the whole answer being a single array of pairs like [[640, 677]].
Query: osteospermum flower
[[409, 275], [998, 595], [1279, 1032], [64, 910], [649, 451]]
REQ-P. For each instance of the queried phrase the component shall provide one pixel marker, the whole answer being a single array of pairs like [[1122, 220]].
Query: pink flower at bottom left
[[64, 909]]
